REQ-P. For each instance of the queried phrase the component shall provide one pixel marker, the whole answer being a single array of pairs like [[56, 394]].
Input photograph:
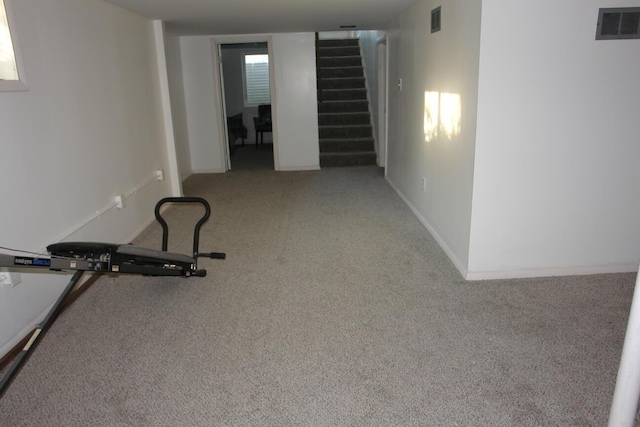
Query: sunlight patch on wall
[[442, 115], [431, 109]]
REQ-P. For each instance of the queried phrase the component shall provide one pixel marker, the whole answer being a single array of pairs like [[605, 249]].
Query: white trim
[[299, 168], [220, 99], [274, 107], [550, 272], [514, 273], [454, 259], [195, 171], [383, 95], [174, 171], [365, 74]]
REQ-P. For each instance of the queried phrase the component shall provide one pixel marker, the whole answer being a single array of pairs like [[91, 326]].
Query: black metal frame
[[37, 335], [107, 258], [196, 231]]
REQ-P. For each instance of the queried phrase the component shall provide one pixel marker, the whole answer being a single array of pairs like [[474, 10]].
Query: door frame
[[383, 99], [219, 96]]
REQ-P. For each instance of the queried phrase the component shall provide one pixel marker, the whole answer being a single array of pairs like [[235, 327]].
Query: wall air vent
[[436, 19], [618, 23]]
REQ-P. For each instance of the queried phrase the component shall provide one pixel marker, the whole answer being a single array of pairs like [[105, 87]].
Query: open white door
[[218, 55]]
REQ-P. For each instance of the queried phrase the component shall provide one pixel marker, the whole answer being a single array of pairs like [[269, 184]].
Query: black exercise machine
[[107, 258]]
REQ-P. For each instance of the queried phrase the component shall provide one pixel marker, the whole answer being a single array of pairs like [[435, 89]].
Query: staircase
[[345, 130]]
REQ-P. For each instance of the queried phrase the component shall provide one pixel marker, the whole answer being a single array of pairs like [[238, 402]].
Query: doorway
[[246, 91]]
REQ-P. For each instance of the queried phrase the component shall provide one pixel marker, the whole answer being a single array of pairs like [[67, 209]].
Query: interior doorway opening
[[245, 77]]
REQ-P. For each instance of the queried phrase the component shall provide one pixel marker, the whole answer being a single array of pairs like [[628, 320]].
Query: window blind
[[256, 72]]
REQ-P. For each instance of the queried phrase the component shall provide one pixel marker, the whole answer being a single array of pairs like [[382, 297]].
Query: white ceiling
[[267, 16]]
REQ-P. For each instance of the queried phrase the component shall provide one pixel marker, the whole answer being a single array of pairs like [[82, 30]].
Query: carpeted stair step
[[343, 83], [343, 106], [345, 131], [346, 145], [337, 72], [340, 61], [334, 119], [343, 94], [351, 131], [347, 159]]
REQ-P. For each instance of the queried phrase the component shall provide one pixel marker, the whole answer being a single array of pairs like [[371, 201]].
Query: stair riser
[[338, 42], [331, 160], [330, 52], [343, 107], [343, 95], [343, 83], [330, 146], [344, 119], [345, 132], [347, 61]]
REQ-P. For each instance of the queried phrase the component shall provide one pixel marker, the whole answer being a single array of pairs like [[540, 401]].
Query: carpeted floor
[[252, 157], [334, 307]]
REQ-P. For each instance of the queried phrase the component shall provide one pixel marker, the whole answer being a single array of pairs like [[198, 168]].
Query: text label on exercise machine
[[32, 261]]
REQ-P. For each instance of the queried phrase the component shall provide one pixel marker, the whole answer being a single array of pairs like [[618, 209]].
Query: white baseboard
[[447, 250], [550, 272], [514, 273], [299, 168], [195, 171], [185, 176], [280, 169]]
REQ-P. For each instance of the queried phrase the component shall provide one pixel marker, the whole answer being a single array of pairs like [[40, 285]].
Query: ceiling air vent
[[618, 23]]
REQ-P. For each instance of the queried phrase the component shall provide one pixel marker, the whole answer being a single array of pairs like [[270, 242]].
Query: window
[[256, 80], [11, 70]]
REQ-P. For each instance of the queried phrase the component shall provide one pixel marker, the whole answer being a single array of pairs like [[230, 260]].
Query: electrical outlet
[[120, 202], [160, 175], [424, 183], [11, 279]]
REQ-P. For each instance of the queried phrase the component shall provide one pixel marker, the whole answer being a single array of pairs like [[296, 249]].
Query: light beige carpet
[[334, 307]]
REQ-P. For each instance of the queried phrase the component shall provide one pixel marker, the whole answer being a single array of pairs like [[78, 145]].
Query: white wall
[[204, 111], [294, 111], [556, 173], [89, 128], [441, 63], [178, 108], [369, 49], [332, 35], [296, 107]]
